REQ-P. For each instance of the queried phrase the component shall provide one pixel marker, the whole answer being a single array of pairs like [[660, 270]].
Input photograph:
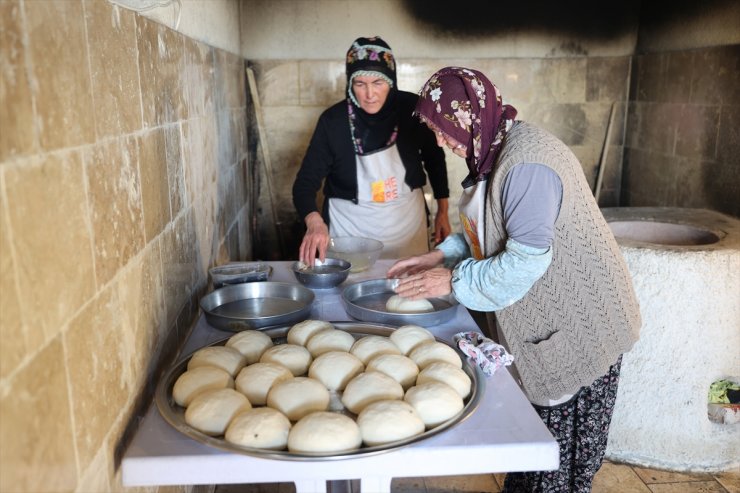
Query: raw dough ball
[[369, 347], [326, 340], [324, 432], [335, 368], [226, 358], [436, 402], [444, 372], [301, 332], [400, 368], [256, 380], [197, 380], [298, 397], [427, 353], [251, 343], [388, 421], [261, 427], [369, 387], [410, 336], [399, 304], [211, 412], [295, 358]]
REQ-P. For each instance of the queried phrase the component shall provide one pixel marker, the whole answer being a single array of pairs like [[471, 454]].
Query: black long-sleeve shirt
[[331, 156]]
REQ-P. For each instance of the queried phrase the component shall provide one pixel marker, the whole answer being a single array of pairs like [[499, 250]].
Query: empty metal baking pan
[[255, 305]]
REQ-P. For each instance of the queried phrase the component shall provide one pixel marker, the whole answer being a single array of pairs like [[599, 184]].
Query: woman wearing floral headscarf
[[371, 154], [538, 257]]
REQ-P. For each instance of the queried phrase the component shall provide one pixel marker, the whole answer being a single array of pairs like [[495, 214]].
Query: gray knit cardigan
[[577, 319]]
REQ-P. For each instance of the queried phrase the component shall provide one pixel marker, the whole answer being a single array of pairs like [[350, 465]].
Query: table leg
[[310, 486], [341, 486], [375, 484]]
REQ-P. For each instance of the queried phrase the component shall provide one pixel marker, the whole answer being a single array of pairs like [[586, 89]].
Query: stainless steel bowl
[[323, 275]]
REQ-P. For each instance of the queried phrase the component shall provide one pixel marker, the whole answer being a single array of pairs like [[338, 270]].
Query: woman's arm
[[531, 199], [314, 168], [433, 159]]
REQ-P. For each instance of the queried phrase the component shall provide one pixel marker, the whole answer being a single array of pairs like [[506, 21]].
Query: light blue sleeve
[[454, 248], [497, 282], [531, 198]]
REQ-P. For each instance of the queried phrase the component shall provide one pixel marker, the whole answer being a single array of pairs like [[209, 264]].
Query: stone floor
[[611, 478]]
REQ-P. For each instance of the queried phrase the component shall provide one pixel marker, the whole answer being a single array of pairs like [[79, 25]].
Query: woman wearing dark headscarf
[[538, 257], [371, 154]]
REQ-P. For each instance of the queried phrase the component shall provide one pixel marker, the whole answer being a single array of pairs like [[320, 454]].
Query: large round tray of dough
[[367, 300], [174, 413]]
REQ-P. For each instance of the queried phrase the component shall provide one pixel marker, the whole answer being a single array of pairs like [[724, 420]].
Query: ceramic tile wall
[[683, 130], [571, 97], [122, 179]]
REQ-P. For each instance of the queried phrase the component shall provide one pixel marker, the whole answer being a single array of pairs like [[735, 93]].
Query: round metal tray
[[366, 301], [175, 415], [256, 305]]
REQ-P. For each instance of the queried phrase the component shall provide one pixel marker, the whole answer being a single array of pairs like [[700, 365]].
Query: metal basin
[[366, 301], [256, 305], [323, 275]]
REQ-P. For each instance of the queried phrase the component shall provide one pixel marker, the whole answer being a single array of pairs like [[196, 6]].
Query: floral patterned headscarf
[[463, 104]]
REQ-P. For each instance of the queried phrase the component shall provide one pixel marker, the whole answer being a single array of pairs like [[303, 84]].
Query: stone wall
[[683, 130], [122, 179]]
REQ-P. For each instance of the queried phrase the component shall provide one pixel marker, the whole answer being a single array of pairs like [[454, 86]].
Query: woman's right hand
[[412, 265], [315, 240]]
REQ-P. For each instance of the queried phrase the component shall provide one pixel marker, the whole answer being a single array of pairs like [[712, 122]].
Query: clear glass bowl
[[358, 251]]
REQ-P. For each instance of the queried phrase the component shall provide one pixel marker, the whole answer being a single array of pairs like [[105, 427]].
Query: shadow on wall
[[588, 19], [273, 238]]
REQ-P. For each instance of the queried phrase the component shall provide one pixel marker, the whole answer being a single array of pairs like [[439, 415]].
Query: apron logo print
[[384, 190]]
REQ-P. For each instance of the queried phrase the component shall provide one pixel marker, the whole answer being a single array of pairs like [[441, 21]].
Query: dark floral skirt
[[581, 427]]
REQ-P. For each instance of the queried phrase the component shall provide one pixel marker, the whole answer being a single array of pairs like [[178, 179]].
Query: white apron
[[387, 209], [471, 209]]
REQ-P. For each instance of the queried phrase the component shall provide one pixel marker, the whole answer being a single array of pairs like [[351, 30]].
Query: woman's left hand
[[428, 284], [442, 228]]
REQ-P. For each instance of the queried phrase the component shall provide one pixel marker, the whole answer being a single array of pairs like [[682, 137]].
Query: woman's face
[[444, 140], [371, 92]]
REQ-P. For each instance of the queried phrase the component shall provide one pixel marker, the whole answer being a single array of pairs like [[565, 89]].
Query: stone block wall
[[682, 138], [122, 179]]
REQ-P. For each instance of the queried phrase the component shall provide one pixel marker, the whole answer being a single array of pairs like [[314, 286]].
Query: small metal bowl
[[323, 275]]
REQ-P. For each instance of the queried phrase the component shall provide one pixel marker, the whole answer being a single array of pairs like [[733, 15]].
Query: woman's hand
[[413, 265], [428, 284], [315, 240], [442, 228]]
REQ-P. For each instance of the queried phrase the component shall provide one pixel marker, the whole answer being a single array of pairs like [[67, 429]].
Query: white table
[[502, 435]]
